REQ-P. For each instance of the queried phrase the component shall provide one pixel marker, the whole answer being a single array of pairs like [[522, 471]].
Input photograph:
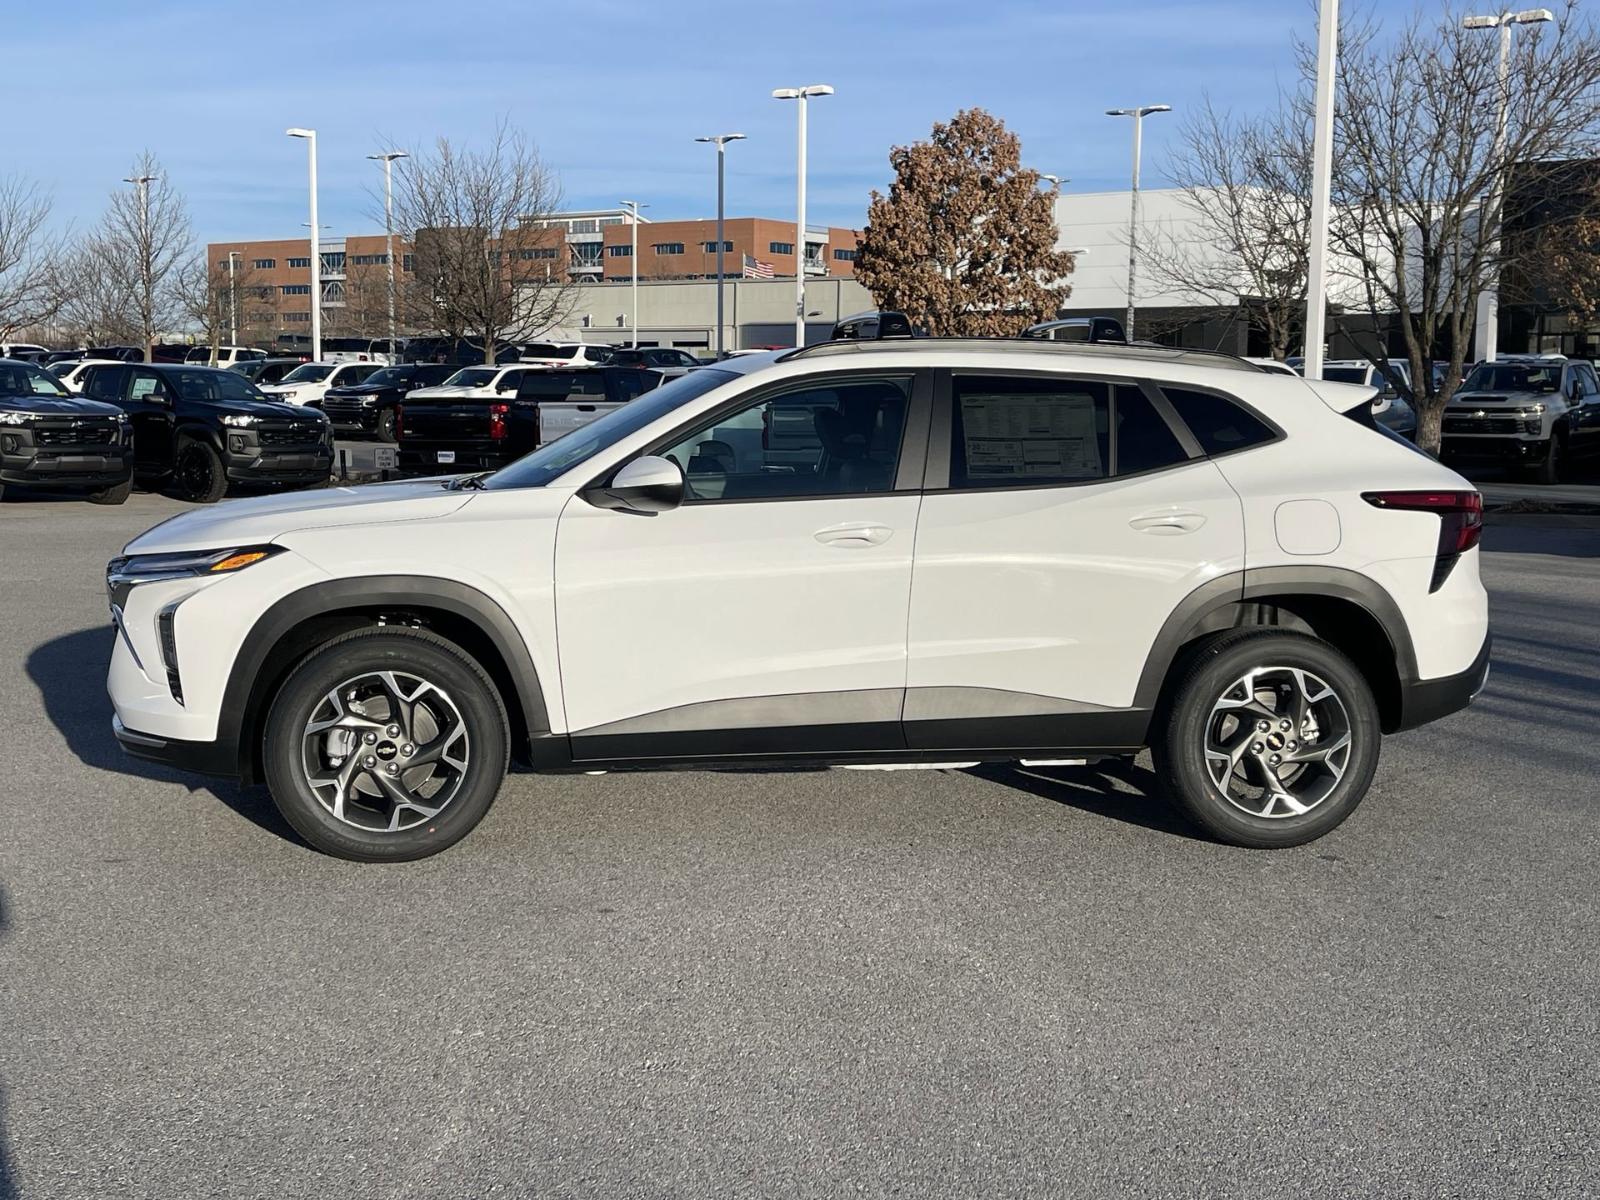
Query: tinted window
[[1143, 441], [561, 455], [209, 384], [1010, 431], [837, 439], [557, 385], [1345, 374], [1218, 424], [548, 350], [103, 383]]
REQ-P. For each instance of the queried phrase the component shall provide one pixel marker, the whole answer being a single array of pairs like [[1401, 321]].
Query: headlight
[[239, 421], [125, 574], [20, 418], [289, 395]]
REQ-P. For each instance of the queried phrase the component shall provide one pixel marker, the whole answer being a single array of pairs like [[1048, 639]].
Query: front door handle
[[1168, 522], [854, 535]]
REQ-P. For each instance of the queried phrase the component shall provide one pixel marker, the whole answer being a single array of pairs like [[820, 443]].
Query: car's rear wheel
[[1270, 739], [385, 745], [197, 474]]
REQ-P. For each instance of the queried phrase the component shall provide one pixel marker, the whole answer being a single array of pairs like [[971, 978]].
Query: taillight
[[1460, 522], [497, 420]]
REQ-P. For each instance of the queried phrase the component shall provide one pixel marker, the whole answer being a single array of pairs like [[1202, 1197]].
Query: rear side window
[[1218, 424], [1144, 440]]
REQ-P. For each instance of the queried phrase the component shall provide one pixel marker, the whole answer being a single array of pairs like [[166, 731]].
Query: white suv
[[868, 553]]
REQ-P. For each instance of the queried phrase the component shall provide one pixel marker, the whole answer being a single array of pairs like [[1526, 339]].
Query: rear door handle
[[854, 535], [1170, 522]]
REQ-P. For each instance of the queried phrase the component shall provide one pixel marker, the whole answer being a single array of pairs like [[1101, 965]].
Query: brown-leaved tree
[[965, 242]]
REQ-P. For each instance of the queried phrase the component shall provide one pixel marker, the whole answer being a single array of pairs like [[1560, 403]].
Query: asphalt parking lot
[[986, 983]]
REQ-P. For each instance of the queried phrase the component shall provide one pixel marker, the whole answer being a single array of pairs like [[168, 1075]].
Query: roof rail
[[1138, 351]]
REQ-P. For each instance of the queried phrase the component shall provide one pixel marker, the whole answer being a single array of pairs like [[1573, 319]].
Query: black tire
[[117, 493], [1179, 745], [384, 429], [1548, 470], [412, 653], [197, 474]]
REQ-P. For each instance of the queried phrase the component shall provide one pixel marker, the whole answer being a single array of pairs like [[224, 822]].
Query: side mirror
[[647, 486]]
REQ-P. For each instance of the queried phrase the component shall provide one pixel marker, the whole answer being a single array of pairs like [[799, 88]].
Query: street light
[[802, 94], [1321, 187], [1138, 115], [721, 141], [387, 159], [233, 297], [633, 207], [147, 285], [316, 245], [1486, 333]]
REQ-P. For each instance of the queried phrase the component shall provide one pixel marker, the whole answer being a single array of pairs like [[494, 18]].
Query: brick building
[[272, 279]]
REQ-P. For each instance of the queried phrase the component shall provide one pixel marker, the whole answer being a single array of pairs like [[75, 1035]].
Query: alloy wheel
[[385, 751], [1277, 742], [194, 471]]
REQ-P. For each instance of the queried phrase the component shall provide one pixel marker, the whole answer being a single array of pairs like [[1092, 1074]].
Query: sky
[[613, 92]]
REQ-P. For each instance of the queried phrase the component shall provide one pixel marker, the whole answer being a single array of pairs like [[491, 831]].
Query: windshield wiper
[[472, 483]]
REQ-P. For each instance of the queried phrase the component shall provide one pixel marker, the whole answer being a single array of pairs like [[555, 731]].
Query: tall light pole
[[1138, 115], [146, 284], [233, 297], [633, 207], [1486, 331], [387, 159], [316, 246], [802, 94], [1321, 188], [721, 141]]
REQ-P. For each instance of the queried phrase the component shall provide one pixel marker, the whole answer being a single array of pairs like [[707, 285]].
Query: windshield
[[472, 377], [561, 455], [1513, 377], [29, 381], [211, 384], [309, 373], [389, 376]]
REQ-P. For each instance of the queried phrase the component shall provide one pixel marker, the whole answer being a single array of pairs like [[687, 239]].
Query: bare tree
[[145, 235], [214, 298], [474, 219], [1415, 161], [96, 304], [27, 250], [1246, 184]]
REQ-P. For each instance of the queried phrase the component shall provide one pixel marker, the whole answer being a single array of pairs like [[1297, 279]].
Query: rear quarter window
[[1219, 424]]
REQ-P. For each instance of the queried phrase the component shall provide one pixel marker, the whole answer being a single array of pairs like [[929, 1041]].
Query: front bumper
[[296, 465], [102, 466], [1499, 449], [1425, 700], [203, 758]]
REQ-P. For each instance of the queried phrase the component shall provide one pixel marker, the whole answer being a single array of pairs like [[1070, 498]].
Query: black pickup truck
[[51, 439], [199, 429], [369, 406], [484, 423]]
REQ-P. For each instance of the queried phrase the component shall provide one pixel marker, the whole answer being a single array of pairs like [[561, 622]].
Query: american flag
[[754, 268]]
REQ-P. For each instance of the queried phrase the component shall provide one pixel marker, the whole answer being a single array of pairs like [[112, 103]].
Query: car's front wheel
[[385, 745], [197, 472], [1270, 739], [385, 428]]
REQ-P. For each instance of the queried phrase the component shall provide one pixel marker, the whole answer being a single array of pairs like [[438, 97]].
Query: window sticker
[[1020, 436]]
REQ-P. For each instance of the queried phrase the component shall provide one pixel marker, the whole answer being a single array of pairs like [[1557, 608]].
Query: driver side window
[[838, 438]]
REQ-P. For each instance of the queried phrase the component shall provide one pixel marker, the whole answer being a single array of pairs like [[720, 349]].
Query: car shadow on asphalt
[[9, 1188], [70, 674], [1114, 787]]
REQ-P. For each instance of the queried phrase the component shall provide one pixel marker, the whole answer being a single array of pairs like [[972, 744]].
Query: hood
[[265, 410], [59, 406], [440, 392], [363, 389], [263, 519], [1475, 399]]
